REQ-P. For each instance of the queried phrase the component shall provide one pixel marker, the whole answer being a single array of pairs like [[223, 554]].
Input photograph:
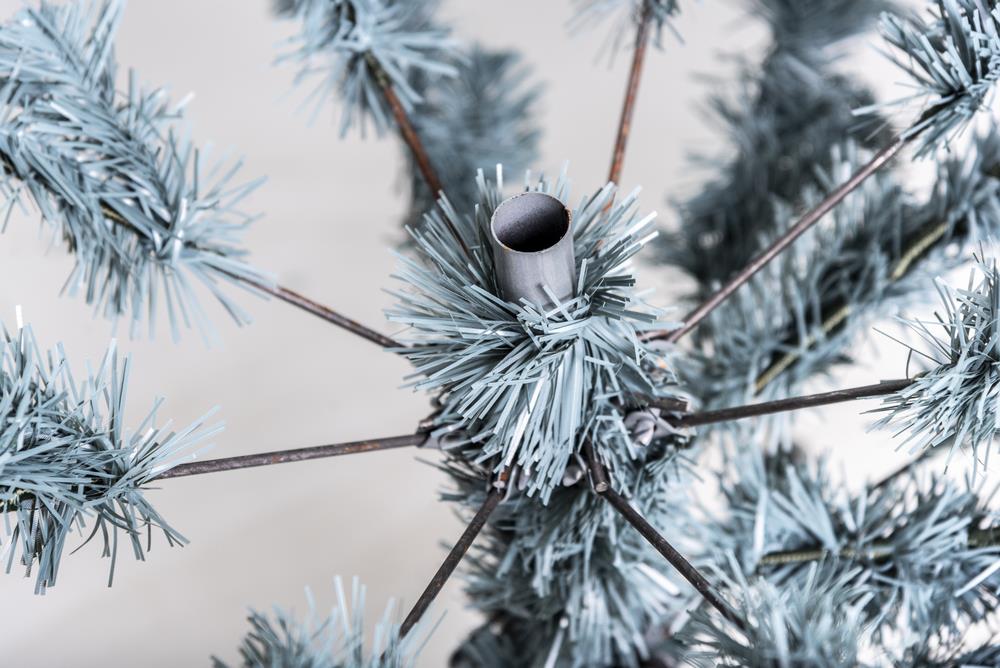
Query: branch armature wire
[[289, 456], [631, 95], [602, 487], [790, 404], [493, 499]]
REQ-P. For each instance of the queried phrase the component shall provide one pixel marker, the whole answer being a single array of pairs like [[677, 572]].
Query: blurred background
[[331, 210]]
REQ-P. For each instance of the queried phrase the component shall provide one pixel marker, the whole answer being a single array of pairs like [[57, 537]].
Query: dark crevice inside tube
[[531, 222]]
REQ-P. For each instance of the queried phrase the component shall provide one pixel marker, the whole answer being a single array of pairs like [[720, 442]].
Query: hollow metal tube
[[532, 240]]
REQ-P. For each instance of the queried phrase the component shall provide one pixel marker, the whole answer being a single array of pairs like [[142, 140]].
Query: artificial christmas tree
[[574, 418]]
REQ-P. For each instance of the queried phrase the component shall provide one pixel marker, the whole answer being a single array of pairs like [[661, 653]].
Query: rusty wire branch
[[790, 404], [653, 537], [412, 140], [493, 499], [631, 94], [288, 456], [321, 311]]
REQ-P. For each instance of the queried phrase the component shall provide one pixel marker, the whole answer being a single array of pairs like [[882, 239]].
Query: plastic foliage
[[145, 215], [954, 404], [874, 255], [807, 26], [816, 621], [794, 133], [788, 115], [953, 58], [527, 385], [485, 115], [347, 45], [280, 640], [925, 549], [628, 13], [67, 460], [794, 318], [986, 654], [572, 583]]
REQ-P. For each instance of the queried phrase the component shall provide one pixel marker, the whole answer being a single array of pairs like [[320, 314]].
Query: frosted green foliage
[[787, 116], [954, 404], [147, 218], [488, 647], [806, 26], [784, 126], [873, 255], [953, 57], [787, 125], [926, 550], [527, 386], [484, 116], [816, 621], [628, 14], [984, 656], [339, 41], [794, 306], [281, 640], [572, 583], [67, 460]]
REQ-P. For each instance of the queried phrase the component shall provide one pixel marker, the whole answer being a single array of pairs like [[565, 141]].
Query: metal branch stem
[[412, 139], [325, 312], [406, 130], [879, 551], [631, 93], [781, 243], [675, 558], [599, 478], [452, 560], [288, 456], [790, 404]]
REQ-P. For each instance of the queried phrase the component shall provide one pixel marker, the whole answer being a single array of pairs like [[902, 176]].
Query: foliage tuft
[[348, 45], [954, 404], [527, 386], [67, 460], [146, 217], [280, 640], [953, 58]]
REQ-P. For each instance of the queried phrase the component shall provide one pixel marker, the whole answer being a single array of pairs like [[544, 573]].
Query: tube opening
[[530, 222]]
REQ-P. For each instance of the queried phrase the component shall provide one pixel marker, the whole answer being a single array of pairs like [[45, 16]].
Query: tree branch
[[790, 404], [279, 292], [879, 551], [412, 139], [454, 557], [324, 312], [675, 558], [631, 93], [288, 456]]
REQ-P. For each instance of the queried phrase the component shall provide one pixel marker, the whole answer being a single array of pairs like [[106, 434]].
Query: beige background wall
[[259, 537]]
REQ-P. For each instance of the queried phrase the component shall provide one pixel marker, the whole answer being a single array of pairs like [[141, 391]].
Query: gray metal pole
[[532, 240]]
